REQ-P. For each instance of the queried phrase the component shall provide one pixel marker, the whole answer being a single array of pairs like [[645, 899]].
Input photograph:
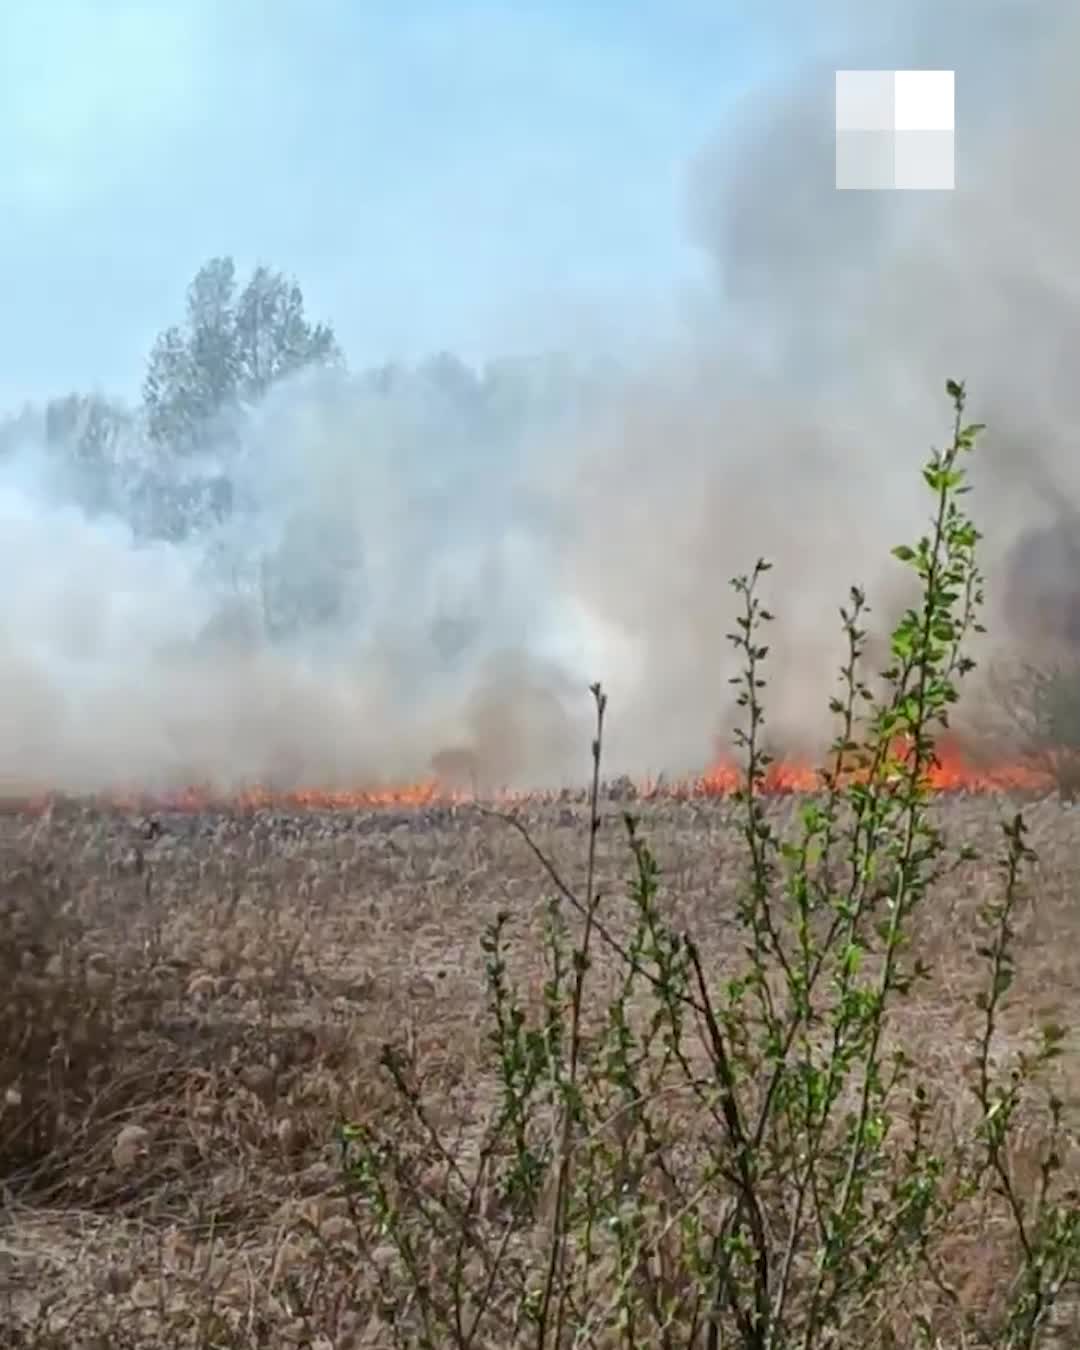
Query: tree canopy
[[230, 349]]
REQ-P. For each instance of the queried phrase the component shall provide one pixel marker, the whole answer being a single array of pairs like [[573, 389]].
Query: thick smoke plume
[[467, 586], [375, 601], [816, 382]]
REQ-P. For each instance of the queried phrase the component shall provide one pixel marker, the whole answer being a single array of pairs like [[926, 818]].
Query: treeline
[[206, 375], [170, 465]]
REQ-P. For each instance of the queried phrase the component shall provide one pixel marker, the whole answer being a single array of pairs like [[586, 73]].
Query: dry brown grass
[[192, 1004]]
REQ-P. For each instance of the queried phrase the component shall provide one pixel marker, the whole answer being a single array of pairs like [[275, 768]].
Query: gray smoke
[[466, 587], [817, 382], [375, 597]]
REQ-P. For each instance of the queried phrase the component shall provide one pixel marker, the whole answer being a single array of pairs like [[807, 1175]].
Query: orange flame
[[953, 770]]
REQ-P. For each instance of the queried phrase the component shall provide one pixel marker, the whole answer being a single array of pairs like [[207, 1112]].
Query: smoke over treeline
[[348, 577], [276, 569]]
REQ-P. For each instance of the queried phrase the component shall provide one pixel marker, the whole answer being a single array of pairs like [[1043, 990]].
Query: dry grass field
[[194, 1002]]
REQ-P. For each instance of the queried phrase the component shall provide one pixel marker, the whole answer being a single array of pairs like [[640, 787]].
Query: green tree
[[89, 432], [229, 351], [271, 336], [89, 424]]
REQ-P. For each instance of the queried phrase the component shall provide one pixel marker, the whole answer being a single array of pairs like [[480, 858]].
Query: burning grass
[[956, 767]]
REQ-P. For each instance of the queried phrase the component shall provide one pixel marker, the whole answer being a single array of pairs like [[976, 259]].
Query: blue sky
[[482, 177]]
